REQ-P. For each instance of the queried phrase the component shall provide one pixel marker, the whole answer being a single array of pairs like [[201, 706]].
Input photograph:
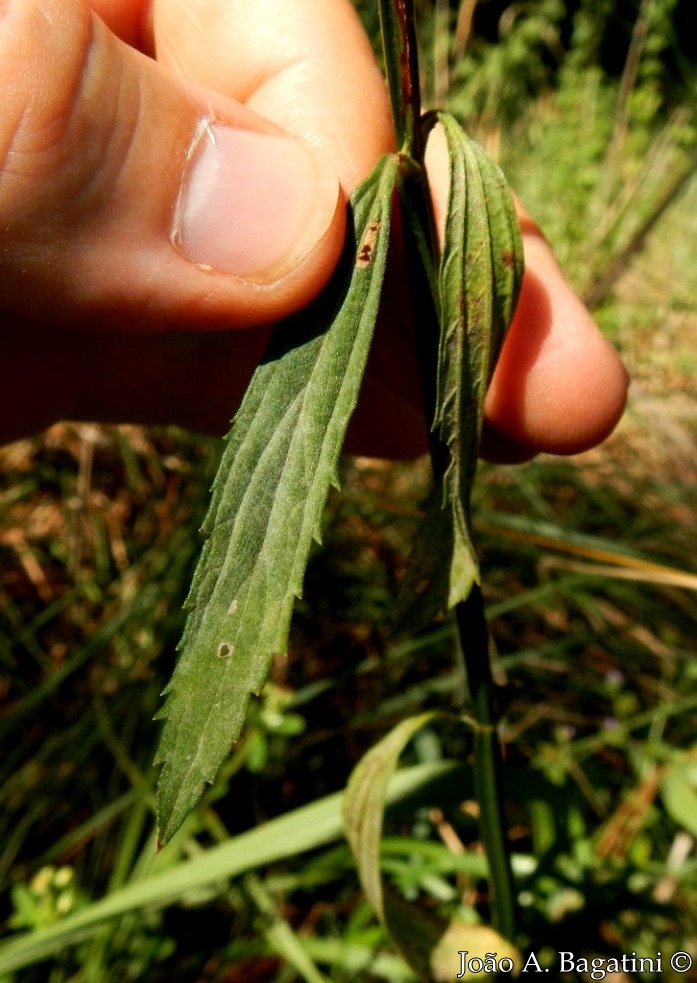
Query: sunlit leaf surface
[[478, 282], [268, 498]]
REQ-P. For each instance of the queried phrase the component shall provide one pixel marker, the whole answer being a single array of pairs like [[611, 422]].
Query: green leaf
[[428, 943], [364, 804], [279, 933], [679, 795], [266, 508], [296, 832], [364, 811], [479, 281]]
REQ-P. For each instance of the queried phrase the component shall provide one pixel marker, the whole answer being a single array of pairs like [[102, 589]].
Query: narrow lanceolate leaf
[[479, 280], [429, 943], [364, 812], [268, 497]]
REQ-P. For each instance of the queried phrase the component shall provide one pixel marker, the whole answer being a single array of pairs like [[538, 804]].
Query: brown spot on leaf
[[366, 248]]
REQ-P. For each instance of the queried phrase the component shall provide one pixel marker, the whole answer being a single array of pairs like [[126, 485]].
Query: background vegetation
[[590, 583]]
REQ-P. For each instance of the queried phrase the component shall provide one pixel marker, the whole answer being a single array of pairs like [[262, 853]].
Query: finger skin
[[97, 142], [129, 20], [307, 68], [559, 386], [191, 379]]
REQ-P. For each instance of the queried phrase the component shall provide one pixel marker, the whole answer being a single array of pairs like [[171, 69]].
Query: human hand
[[158, 213]]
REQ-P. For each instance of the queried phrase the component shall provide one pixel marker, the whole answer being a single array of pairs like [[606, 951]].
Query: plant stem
[[398, 31], [488, 763]]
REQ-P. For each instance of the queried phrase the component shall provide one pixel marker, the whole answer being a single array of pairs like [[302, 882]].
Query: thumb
[[140, 202]]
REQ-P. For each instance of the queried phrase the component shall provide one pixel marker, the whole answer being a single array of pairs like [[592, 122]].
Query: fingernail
[[253, 204]]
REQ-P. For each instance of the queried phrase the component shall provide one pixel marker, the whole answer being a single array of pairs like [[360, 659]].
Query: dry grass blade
[[661, 576]]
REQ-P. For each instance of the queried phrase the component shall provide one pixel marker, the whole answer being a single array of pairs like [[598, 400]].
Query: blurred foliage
[[589, 576]]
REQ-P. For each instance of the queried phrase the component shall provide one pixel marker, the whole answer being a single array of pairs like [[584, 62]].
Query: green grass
[[590, 579], [595, 647]]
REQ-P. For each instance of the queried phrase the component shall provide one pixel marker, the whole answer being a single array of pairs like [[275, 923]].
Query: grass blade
[[304, 829]]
